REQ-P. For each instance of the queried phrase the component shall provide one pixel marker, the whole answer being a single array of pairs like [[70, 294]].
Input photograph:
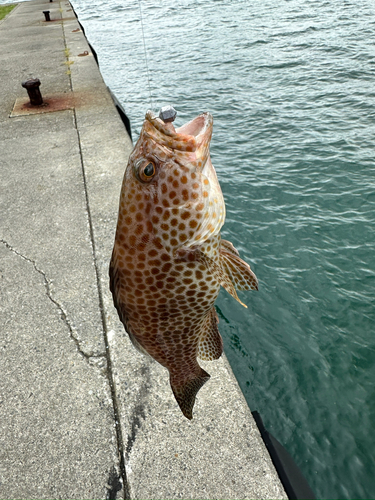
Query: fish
[[169, 261]]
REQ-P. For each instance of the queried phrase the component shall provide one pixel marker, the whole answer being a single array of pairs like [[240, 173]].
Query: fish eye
[[146, 171], [149, 170]]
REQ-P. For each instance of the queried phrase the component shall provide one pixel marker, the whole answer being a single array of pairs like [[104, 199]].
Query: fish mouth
[[191, 140], [199, 127]]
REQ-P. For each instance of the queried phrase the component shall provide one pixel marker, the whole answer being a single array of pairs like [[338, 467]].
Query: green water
[[291, 87]]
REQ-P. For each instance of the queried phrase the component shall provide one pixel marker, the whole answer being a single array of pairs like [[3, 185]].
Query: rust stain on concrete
[[56, 102]]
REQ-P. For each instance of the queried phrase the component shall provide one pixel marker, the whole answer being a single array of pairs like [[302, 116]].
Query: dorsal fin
[[210, 343], [239, 272], [115, 276]]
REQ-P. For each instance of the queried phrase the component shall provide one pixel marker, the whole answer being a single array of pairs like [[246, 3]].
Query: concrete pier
[[82, 414]]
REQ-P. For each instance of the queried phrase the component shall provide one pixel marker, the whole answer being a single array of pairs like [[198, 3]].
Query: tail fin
[[186, 390]]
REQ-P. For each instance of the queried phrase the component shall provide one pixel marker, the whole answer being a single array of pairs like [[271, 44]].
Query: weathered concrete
[[58, 434], [77, 402]]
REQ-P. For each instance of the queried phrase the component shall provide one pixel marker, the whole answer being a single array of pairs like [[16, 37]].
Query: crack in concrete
[[109, 372], [139, 414], [88, 357], [114, 484]]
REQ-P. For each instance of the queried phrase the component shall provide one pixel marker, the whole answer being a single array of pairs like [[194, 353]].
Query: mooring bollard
[[32, 87], [46, 15]]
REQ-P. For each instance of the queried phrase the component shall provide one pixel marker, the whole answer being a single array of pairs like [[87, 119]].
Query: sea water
[[291, 86]]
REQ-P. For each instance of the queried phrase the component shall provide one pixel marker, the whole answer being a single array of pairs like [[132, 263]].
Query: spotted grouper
[[169, 260]]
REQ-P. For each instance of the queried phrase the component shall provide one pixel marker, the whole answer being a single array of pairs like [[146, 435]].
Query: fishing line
[[144, 47]]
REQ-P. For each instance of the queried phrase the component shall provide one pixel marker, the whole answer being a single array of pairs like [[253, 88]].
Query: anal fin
[[210, 343]]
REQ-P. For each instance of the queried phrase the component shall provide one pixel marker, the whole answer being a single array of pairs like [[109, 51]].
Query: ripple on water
[[290, 85]]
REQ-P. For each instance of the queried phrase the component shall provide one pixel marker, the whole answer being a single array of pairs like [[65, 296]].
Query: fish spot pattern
[[168, 260]]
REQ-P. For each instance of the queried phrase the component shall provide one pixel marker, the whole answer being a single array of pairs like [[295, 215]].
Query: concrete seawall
[[82, 413]]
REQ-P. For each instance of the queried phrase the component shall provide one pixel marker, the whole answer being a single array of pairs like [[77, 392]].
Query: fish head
[[170, 186]]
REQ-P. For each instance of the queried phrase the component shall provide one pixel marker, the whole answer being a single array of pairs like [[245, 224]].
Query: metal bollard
[[32, 87], [46, 15]]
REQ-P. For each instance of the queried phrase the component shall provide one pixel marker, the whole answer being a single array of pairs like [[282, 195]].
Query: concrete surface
[[82, 414]]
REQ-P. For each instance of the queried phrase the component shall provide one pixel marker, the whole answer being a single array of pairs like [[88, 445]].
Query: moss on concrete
[[5, 9]]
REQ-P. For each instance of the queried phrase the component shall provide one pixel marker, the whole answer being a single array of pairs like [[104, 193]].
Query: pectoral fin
[[228, 247], [239, 272], [221, 275]]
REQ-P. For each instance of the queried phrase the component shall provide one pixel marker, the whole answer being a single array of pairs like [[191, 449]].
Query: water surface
[[291, 87]]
